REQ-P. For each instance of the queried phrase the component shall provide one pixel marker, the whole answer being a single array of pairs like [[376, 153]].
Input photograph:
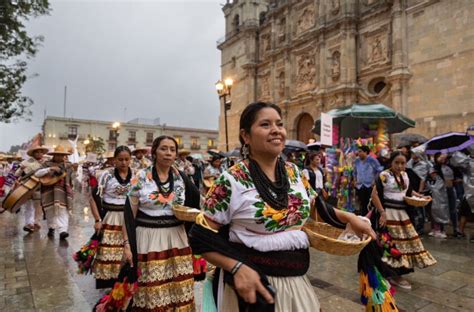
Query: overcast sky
[[154, 58]]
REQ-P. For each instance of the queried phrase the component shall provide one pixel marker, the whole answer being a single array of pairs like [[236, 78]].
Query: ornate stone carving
[[335, 7], [335, 101], [265, 44], [281, 30], [265, 87], [306, 71], [336, 65], [306, 20], [281, 84], [377, 50]]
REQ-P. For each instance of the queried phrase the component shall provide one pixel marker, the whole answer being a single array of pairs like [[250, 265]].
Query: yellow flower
[[278, 216], [118, 292]]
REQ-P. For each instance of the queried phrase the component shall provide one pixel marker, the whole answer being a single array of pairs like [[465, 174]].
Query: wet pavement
[[38, 273]]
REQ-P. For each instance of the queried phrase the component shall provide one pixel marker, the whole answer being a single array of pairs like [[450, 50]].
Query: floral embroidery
[[241, 175], [218, 197], [280, 220]]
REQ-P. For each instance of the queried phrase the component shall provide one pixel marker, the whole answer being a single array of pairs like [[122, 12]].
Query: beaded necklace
[[162, 189], [273, 193]]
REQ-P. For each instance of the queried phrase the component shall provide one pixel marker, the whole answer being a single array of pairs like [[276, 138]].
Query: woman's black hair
[[365, 149], [249, 115], [157, 143], [310, 157], [395, 154], [122, 148]]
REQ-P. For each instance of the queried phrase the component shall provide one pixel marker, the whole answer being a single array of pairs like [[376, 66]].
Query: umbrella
[[354, 119], [233, 153], [314, 146], [295, 145], [214, 152], [449, 143], [470, 128], [404, 139]]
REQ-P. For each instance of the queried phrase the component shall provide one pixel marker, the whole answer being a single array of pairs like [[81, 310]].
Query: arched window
[[236, 22]]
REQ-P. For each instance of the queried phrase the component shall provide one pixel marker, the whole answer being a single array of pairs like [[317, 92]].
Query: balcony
[[195, 146], [131, 141], [180, 146]]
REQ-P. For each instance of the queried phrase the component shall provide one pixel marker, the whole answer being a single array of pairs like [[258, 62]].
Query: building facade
[[135, 133], [310, 56]]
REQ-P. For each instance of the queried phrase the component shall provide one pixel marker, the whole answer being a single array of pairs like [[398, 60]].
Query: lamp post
[[223, 90]]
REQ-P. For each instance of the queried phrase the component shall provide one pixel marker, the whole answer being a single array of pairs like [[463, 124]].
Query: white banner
[[326, 129]]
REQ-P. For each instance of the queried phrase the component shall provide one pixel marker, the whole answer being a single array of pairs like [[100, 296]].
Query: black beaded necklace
[[119, 178], [399, 180], [273, 193], [165, 191]]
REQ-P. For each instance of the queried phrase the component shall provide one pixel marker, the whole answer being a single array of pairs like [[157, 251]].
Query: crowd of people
[[252, 212]]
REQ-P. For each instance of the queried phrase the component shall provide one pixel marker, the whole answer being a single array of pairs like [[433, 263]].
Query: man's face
[[362, 154], [139, 155]]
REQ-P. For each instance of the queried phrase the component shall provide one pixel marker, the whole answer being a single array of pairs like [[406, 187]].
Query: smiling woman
[[264, 202]]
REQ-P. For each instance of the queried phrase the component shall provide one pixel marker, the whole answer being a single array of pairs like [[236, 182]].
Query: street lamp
[[223, 90]]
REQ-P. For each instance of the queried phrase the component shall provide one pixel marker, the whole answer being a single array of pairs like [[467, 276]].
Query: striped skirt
[[406, 239], [166, 282], [110, 251]]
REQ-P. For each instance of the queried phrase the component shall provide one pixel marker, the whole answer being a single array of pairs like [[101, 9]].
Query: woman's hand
[[127, 254], [98, 226], [383, 218], [360, 227], [247, 283]]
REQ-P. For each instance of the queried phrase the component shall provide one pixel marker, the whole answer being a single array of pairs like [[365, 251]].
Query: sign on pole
[[326, 129]]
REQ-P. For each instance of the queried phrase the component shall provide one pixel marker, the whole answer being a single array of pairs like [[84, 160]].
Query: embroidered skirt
[[293, 294], [407, 241], [109, 254], [166, 282]]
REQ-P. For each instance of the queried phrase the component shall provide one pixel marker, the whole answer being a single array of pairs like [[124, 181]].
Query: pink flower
[[292, 218], [294, 202]]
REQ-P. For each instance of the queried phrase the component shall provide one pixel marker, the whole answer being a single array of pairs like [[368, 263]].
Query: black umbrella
[[316, 146], [295, 146], [408, 139], [215, 153], [233, 153], [449, 143]]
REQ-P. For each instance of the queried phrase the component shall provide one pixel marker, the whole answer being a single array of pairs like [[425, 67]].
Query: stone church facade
[[310, 56]]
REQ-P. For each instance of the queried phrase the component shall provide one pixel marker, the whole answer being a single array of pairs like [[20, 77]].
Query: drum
[[19, 195]]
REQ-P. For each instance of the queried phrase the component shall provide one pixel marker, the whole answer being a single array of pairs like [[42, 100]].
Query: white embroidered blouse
[[234, 200], [151, 201]]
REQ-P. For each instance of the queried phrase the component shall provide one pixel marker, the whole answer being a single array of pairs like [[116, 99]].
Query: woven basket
[[323, 237], [416, 202], [184, 213]]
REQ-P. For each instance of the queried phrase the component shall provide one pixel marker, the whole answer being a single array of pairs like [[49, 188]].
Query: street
[[39, 274]]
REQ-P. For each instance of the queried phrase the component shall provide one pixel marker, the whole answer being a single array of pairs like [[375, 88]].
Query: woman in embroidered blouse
[[163, 255], [113, 188], [265, 226], [391, 187]]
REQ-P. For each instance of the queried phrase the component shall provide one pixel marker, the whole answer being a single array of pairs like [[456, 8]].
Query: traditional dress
[[57, 199], [32, 206], [262, 232], [113, 191], [163, 253], [399, 226]]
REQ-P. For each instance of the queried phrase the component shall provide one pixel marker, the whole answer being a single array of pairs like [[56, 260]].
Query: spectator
[[366, 169], [314, 172]]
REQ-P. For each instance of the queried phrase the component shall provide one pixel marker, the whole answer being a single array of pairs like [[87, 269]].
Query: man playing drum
[[33, 210], [56, 192]]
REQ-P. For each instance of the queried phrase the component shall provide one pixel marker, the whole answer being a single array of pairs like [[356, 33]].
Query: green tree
[[96, 145], [16, 46]]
